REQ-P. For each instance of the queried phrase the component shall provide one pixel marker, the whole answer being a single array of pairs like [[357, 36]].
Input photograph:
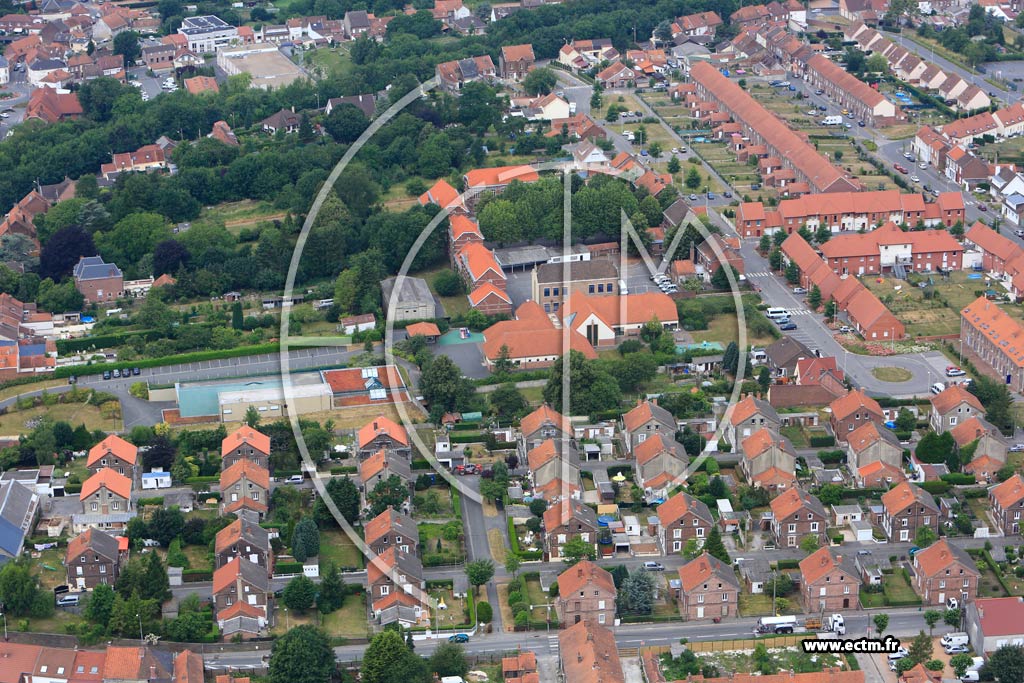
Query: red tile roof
[[903, 494], [500, 175], [742, 107], [816, 565], [245, 435], [247, 469], [479, 259], [702, 569], [545, 414], [844, 406], [115, 445], [582, 574], [111, 480], [785, 504], [678, 505], [484, 290], [953, 396], [442, 194], [382, 425], [349, 380], [589, 654], [1009, 492], [940, 555], [423, 329], [1000, 616], [991, 322]]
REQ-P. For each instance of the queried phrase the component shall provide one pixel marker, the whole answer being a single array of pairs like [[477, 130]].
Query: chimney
[[579, 571], [654, 400], [579, 658]]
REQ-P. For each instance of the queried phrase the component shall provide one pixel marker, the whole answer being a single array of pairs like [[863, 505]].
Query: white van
[[957, 638], [776, 313], [938, 388], [832, 120]]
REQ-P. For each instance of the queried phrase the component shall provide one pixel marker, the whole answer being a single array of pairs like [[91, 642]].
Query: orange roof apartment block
[[850, 212], [997, 338], [763, 127]]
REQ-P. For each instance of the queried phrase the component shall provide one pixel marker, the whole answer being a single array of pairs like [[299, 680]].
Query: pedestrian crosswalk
[[553, 644], [798, 311], [759, 274]]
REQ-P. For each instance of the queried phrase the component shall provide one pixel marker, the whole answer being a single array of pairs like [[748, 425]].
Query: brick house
[[98, 281], [829, 582], [245, 443], [796, 514], [566, 520], [585, 592], [550, 462], [851, 411], [660, 461], [93, 558], [768, 461], [906, 508], [708, 589], [542, 424], [106, 492], [953, 406], [241, 581], [381, 466], [515, 61], [871, 443], [244, 485], [646, 419], [396, 579], [944, 570], [1007, 501], [246, 539], [746, 417], [392, 529], [681, 518], [115, 453], [382, 432]]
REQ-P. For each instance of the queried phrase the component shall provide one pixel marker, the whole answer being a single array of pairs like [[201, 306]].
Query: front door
[[846, 603], [700, 612]]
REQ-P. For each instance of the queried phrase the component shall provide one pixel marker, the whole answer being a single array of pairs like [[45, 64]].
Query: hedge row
[[822, 441], [345, 469], [958, 479], [194, 357], [67, 347], [196, 575], [287, 567], [475, 437], [157, 500], [937, 487], [418, 464]]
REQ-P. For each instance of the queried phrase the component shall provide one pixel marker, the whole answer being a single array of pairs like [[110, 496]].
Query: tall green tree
[[814, 297], [332, 590], [305, 540], [576, 549], [1006, 664], [388, 660], [302, 655], [479, 572], [637, 593], [449, 659], [299, 593], [715, 547], [345, 495]]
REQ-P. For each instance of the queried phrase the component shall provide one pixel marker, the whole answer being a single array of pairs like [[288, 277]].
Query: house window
[[385, 590], [677, 533], [942, 583], [700, 599], [590, 289], [115, 505], [700, 532], [814, 526]]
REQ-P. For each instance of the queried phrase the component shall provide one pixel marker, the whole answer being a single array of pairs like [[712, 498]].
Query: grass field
[[920, 316], [453, 305], [357, 416], [350, 620], [337, 547], [238, 215], [891, 374], [18, 421], [724, 328], [898, 589], [329, 61]]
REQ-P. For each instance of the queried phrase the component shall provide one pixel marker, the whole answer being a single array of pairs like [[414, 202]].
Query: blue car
[[787, 326], [459, 638]]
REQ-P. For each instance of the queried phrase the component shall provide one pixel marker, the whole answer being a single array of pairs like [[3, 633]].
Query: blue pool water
[[974, 276]]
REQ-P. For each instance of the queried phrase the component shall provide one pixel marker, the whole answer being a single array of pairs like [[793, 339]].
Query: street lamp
[[142, 639]]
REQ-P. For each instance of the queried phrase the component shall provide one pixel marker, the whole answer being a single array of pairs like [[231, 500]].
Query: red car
[[901, 169]]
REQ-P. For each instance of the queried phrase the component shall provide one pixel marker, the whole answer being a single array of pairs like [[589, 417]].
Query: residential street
[[903, 622]]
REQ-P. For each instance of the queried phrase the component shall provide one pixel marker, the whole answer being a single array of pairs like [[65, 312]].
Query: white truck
[[832, 120], [790, 624]]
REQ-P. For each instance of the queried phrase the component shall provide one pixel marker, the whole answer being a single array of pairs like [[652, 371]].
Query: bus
[[776, 625]]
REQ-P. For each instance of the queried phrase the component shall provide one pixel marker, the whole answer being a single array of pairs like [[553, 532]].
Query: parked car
[[845, 329], [956, 649], [982, 207], [923, 165], [755, 186], [294, 479], [136, 371], [69, 600], [654, 567], [862, 123], [787, 326], [954, 371], [458, 638], [1019, 233], [106, 374], [902, 169], [711, 195], [799, 290], [915, 179], [727, 194]]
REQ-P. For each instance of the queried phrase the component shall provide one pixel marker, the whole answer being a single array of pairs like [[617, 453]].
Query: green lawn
[[898, 590], [17, 422], [536, 597], [724, 328], [337, 547], [796, 435], [333, 61], [435, 503], [350, 621]]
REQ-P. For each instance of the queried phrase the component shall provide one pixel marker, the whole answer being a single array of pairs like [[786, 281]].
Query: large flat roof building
[[267, 66], [207, 33]]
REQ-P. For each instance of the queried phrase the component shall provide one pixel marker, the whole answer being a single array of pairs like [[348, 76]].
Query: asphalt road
[[927, 368], [902, 623]]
